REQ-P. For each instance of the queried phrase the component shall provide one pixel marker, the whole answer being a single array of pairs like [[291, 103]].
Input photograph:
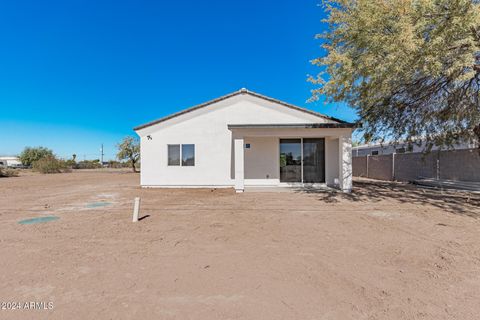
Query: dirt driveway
[[386, 251]]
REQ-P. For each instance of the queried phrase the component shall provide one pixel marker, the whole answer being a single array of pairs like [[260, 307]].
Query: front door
[[302, 160]]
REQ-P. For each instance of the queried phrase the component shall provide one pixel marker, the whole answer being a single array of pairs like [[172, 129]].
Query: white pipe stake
[[136, 209]]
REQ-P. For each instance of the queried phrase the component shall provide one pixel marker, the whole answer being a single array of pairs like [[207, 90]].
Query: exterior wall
[[331, 161], [239, 158], [217, 149], [345, 162], [262, 161]]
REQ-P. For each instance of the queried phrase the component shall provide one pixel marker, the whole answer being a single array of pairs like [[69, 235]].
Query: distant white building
[[387, 148], [11, 162]]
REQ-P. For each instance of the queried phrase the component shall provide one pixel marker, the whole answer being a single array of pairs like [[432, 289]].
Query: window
[[173, 154], [185, 152], [400, 150], [188, 154], [374, 153]]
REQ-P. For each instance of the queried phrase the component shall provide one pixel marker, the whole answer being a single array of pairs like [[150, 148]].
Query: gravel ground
[[386, 251]]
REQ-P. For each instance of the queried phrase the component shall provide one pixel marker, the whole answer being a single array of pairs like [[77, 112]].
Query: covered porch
[[292, 155]]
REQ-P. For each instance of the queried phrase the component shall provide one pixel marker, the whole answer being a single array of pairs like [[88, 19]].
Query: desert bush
[[30, 155], [88, 164], [71, 163], [118, 164], [50, 165], [8, 172], [115, 164]]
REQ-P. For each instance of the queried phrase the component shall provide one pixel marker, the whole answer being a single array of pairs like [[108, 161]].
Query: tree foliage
[[129, 149], [30, 155], [410, 68]]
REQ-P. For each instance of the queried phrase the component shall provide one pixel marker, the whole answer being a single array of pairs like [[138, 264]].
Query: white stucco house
[[246, 139]]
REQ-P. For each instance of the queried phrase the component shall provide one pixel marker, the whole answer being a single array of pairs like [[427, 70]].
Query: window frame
[[180, 153]]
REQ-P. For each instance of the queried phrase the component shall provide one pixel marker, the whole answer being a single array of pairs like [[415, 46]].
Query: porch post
[[239, 164], [345, 163]]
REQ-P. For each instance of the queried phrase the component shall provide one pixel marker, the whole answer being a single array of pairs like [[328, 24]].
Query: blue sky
[[75, 74]]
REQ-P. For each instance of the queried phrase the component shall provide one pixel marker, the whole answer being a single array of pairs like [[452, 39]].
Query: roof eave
[[343, 125]]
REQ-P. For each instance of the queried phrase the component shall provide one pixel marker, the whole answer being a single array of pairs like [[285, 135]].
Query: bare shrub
[[8, 172], [50, 165], [88, 164]]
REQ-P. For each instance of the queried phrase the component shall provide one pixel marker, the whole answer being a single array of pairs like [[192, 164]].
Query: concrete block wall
[[380, 167], [359, 166], [412, 166], [462, 165]]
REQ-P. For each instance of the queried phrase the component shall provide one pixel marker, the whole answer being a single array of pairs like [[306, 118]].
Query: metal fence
[[462, 165]]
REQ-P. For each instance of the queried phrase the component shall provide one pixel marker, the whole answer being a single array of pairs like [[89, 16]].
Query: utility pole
[[102, 154]]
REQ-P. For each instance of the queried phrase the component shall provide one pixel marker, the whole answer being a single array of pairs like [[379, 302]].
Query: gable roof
[[235, 93]]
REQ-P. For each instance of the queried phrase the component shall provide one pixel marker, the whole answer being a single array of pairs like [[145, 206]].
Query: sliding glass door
[[313, 160], [290, 160], [302, 160]]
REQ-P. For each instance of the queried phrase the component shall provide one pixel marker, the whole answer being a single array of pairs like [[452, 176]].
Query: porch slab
[[290, 189]]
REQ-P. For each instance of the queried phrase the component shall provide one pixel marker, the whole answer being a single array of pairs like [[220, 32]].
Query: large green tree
[[30, 155], [129, 149], [410, 68]]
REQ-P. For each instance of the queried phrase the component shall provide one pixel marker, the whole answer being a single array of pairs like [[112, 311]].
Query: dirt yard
[[386, 251]]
